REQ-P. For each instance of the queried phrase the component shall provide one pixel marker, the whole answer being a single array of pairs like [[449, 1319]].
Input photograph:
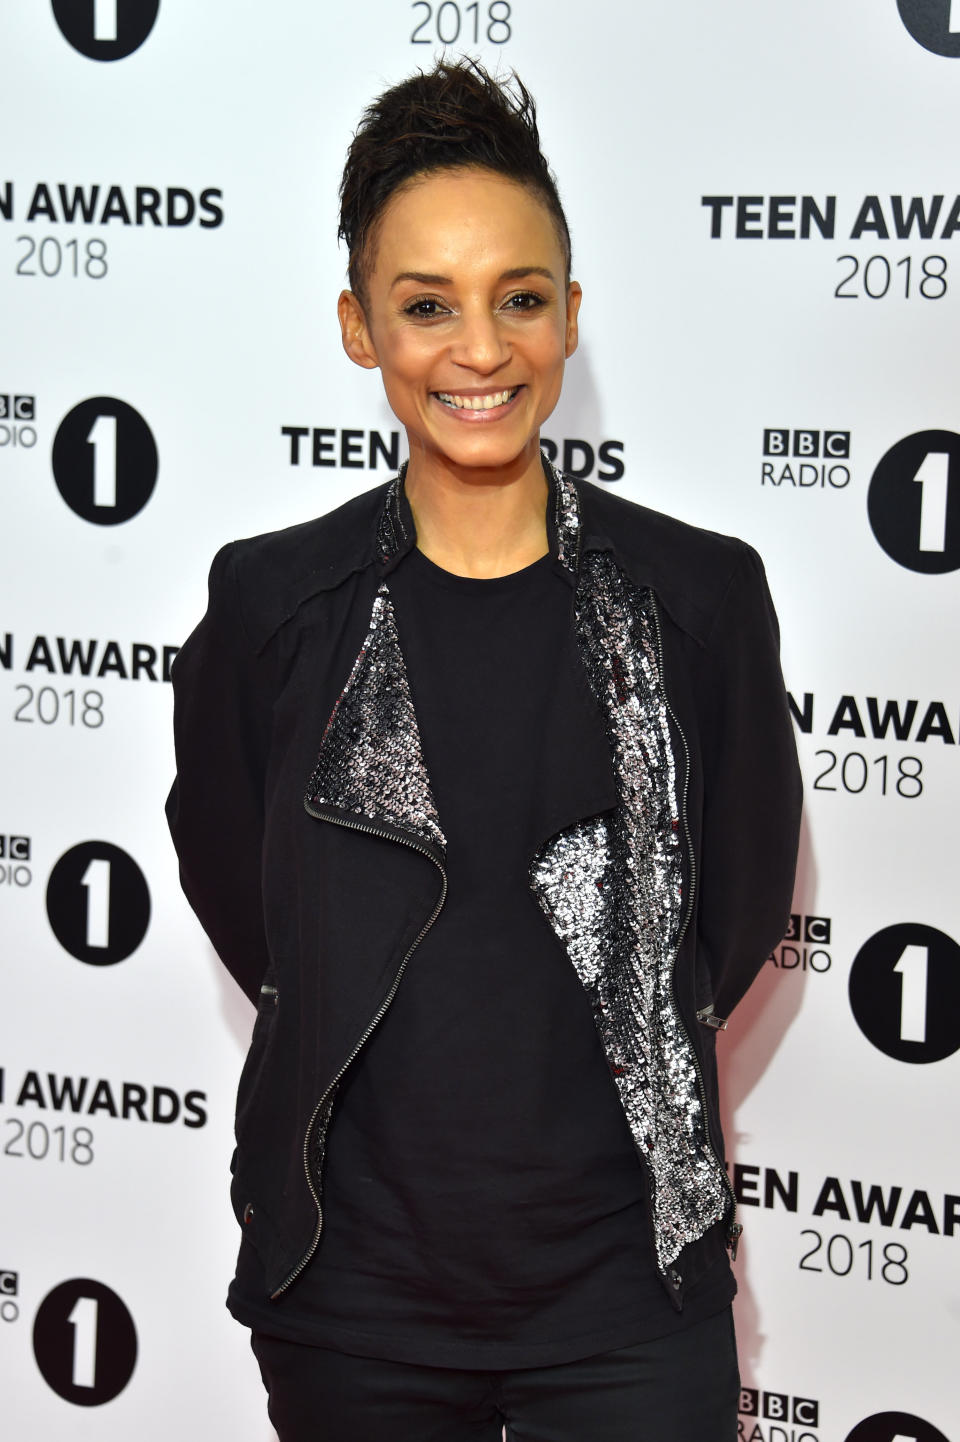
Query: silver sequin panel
[[371, 760], [391, 531], [567, 518], [611, 888]]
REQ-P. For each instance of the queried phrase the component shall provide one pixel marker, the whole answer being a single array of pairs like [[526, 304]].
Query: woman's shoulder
[[320, 543], [690, 568], [646, 531], [276, 571]]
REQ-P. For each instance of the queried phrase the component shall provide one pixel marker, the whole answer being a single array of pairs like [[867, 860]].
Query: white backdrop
[[763, 200]]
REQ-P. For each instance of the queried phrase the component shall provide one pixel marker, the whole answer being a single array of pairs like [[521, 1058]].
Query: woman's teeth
[[477, 403]]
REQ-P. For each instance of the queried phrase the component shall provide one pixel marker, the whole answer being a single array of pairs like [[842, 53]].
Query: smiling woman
[[472, 354], [512, 806], [460, 268]]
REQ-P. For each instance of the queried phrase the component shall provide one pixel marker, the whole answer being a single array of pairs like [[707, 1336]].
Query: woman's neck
[[479, 523]]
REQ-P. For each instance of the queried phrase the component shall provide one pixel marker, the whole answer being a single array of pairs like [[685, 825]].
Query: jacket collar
[[376, 529], [580, 519], [396, 532]]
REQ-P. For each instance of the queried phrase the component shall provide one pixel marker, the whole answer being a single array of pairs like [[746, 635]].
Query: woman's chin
[[486, 450]]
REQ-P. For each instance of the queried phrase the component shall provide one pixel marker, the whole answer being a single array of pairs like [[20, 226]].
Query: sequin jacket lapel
[[610, 885]]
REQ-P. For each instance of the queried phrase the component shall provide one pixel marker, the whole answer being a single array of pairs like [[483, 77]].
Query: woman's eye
[[524, 300], [425, 308]]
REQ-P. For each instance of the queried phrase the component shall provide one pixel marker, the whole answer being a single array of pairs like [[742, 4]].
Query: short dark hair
[[451, 117]]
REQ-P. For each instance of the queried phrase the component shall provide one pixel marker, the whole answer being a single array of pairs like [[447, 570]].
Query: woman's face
[[468, 318]]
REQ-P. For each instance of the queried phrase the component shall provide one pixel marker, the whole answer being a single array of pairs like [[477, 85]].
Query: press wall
[[766, 225]]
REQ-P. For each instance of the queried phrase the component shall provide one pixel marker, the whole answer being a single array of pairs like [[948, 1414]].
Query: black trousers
[[683, 1388]]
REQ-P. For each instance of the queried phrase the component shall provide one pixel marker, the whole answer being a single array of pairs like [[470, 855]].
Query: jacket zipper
[[371, 1025], [734, 1229]]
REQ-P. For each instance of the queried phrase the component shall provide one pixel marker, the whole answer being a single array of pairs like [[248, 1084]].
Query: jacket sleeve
[[752, 790], [221, 722]]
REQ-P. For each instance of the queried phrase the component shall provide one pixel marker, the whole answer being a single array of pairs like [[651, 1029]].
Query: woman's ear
[[574, 297], [354, 331]]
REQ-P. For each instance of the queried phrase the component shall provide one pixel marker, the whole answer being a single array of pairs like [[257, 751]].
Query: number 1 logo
[[913, 969], [905, 992], [105, 461], [105, 29], [98, 903], [103, 437], [934, 479], [96, 883], [914, 502], [85, 1342], [83, 1320]]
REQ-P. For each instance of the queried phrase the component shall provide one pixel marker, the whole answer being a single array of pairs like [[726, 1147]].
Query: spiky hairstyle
[[453, 116]]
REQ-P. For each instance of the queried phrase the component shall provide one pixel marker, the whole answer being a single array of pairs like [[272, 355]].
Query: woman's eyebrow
[[517, 272]]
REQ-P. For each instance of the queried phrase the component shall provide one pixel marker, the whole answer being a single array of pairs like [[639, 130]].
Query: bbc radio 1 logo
[[98, 903], [17, 415], [805, 459], [914, 501], [805, 946], [85, 1342], [84, 1338], [904, 991], [934, 24], [105, 29], [105, 461], [14, 858]]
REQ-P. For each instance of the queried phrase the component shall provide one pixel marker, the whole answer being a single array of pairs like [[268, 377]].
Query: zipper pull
[[708, 1017], [734, 1233]]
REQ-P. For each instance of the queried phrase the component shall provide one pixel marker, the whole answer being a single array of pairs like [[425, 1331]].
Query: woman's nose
[[480, 343]]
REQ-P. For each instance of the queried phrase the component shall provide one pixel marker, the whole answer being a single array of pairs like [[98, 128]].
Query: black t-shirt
[[483, 1201]]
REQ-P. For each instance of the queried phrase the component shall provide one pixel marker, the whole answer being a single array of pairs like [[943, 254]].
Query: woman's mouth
[[488, 405]]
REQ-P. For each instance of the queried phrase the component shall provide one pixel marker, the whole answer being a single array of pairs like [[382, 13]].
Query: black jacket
[[312, 853]]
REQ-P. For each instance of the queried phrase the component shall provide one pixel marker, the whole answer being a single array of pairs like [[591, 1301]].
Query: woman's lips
[[471, 415]]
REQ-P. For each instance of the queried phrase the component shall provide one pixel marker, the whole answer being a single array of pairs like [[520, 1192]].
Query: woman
[[547, 841]]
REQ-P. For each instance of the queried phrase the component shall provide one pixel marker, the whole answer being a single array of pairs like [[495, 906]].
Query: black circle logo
[[914, 501], [895, 1427], [98, 903], [105, 29], [905, 992], [934, 24], [85, 1342], [105, 461]]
